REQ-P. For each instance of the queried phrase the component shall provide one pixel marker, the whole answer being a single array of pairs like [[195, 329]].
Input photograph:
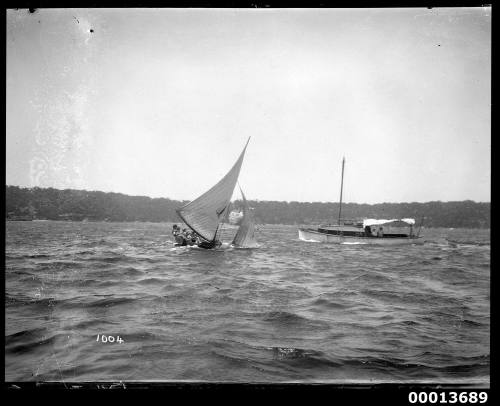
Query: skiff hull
[[312, 235]]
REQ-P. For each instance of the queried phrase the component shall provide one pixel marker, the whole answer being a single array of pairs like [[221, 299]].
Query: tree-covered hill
[[54, 204]]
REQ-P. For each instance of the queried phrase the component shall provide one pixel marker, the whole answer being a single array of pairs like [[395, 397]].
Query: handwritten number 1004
[[109, 339]]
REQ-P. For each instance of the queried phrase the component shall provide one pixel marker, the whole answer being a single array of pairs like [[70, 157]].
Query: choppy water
[[288, 311]]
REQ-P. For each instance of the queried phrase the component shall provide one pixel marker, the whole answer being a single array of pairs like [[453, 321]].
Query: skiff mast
[[341, 187]]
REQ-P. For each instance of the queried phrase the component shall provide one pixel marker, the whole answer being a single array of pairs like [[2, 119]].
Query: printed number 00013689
[[109, 339], [447, 397]]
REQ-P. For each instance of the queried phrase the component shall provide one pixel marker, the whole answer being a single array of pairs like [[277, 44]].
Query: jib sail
[[244, 237]]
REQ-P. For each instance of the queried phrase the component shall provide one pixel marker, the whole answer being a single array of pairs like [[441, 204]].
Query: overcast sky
[[161, 102]]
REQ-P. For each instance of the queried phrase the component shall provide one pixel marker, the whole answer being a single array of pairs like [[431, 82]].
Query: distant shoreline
[[25, 204]]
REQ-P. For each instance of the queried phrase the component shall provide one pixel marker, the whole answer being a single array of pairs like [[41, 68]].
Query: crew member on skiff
[[179, 238]]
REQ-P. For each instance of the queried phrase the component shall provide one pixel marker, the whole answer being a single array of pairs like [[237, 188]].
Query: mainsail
[[204, 214], [244, 237]]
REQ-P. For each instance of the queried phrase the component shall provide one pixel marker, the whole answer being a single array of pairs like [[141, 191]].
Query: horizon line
[[255, 200]]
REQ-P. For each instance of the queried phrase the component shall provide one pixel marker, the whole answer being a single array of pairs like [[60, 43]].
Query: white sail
[[235, 217], [204, 214], [244, 237]]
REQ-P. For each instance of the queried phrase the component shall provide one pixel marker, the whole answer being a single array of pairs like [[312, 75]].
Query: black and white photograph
[[248, 196]]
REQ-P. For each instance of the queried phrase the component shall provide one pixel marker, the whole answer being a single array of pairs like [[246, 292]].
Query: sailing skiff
[[205, 214]]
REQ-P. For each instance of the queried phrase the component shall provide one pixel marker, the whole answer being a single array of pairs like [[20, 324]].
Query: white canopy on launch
[[376, 222]]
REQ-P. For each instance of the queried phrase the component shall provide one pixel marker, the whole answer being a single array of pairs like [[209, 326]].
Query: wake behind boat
[[367, 231], [205, 214]]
